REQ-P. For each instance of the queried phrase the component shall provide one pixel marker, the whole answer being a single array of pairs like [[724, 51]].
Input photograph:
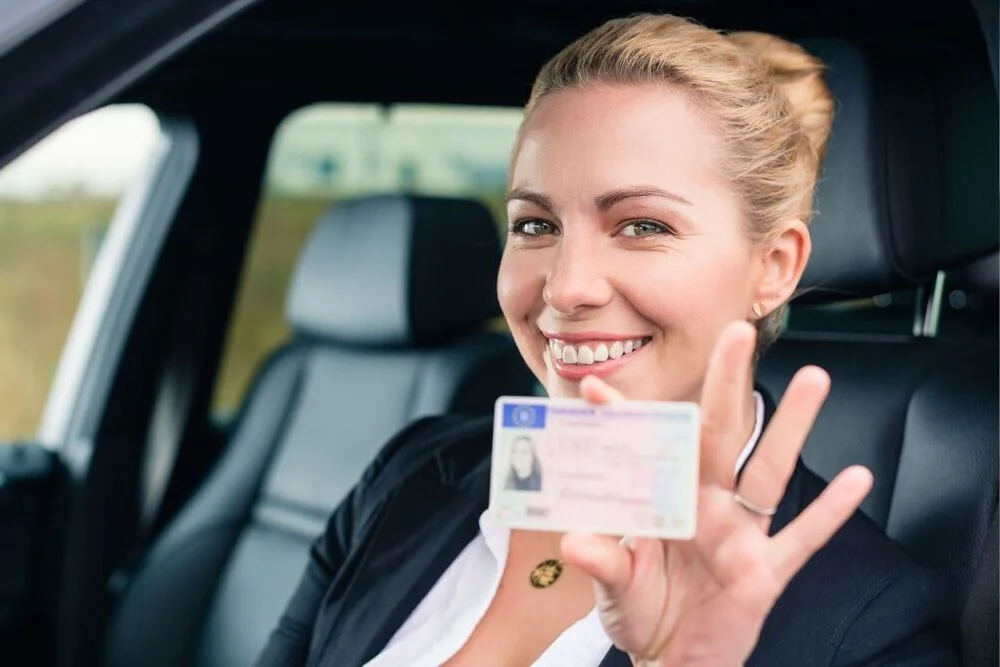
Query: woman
[[660, 188], [525, 471]]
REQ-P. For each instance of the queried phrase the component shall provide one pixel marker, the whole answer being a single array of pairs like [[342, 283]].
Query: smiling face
[[628, 252]]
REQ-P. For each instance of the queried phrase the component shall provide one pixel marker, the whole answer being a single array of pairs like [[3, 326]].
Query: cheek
[[519, 292], [725, 284], [689, 293], [519, 288]]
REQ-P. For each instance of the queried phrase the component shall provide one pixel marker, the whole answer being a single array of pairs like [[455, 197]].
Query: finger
[[601, 557], [723, 403], [766, 474], [597, 391], [799, 540]]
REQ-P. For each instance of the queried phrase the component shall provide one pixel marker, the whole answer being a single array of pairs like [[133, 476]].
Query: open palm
[[703, 602]]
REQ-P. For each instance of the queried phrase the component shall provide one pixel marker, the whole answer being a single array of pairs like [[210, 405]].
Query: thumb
[[598, 392], [602, 558]]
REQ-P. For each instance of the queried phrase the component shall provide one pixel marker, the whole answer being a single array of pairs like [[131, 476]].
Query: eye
[[532, 227], [640, 228]]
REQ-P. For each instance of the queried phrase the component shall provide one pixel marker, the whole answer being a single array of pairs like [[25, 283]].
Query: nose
[[577, 279]]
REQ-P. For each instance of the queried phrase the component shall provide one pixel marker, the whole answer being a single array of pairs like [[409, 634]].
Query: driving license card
[[566, 465]]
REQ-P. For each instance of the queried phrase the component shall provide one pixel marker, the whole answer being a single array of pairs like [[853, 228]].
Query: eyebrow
[[536, 198], [604, 201], [609, 199]]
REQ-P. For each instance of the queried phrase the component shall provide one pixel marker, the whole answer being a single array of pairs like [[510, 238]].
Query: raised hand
[[703, 602]]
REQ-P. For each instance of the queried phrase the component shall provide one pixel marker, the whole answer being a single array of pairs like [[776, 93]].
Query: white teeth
[[586, 355], [569, 355]]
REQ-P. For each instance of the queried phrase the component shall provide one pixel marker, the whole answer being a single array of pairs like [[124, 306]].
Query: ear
[[783, 259]]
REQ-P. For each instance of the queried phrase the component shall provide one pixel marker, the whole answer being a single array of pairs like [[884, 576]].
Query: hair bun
[[799, 75]]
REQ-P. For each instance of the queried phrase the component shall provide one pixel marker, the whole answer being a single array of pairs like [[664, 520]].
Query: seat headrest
[[393, 270], [909, 184]]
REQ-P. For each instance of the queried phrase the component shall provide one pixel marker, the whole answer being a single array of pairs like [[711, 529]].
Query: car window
[[328, 152], [56, 203]]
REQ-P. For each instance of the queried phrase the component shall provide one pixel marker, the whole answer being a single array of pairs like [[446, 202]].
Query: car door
[[88, 195]]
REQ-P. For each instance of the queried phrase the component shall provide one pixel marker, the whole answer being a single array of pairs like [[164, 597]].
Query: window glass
[[328, 152], [56, 202]]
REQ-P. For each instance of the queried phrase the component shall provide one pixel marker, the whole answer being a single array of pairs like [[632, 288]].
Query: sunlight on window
[[56, 202]]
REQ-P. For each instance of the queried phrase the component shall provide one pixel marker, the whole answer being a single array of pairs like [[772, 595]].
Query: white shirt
[[445, 619]]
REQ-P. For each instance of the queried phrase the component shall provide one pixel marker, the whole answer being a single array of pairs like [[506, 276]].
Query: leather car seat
[[894, 210], [388, 305]]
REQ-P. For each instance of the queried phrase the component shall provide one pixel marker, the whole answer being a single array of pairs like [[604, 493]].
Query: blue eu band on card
[[523, 415]]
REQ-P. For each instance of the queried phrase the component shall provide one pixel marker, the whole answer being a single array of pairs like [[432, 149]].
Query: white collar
[[758, 428]]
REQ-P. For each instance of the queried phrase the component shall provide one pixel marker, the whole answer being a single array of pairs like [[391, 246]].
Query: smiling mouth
[[594, 353]]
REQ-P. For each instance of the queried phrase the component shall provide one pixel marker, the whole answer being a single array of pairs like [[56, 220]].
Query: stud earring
[[758, 310]]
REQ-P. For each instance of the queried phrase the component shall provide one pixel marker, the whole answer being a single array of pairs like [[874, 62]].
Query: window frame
[[113, 294]]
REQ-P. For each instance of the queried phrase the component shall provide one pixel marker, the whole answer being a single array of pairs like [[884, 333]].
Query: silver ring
[[754, 509]]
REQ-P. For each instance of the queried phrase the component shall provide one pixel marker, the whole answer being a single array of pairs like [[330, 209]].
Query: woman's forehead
[[611, 137]]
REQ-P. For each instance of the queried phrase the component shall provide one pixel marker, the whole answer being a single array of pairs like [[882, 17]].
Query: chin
[[557, 387]]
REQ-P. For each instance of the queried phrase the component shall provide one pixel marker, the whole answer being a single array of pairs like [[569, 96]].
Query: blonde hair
[[764, 96]]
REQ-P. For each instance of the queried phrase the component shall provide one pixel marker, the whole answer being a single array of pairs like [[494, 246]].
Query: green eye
[[643, 228], [531, 227]]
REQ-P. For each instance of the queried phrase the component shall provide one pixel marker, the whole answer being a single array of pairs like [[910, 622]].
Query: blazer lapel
[[616, 658], [424, 526]]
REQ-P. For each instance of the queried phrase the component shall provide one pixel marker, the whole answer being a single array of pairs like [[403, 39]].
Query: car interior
[[149, 526]]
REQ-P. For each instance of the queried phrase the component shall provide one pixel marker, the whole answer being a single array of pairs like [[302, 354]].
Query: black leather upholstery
[[980, 277], [855, 250], [946, 485], [903, 157], [372, 273], [920, 413], [972, 305], [981, 617], [864, 418], [213, 587], [969, 137]]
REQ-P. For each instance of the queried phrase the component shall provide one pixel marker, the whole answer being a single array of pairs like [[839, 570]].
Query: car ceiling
[[271, 56], [305, 50]]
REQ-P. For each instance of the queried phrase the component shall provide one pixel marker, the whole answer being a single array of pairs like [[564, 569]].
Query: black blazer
[[859, 601]]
